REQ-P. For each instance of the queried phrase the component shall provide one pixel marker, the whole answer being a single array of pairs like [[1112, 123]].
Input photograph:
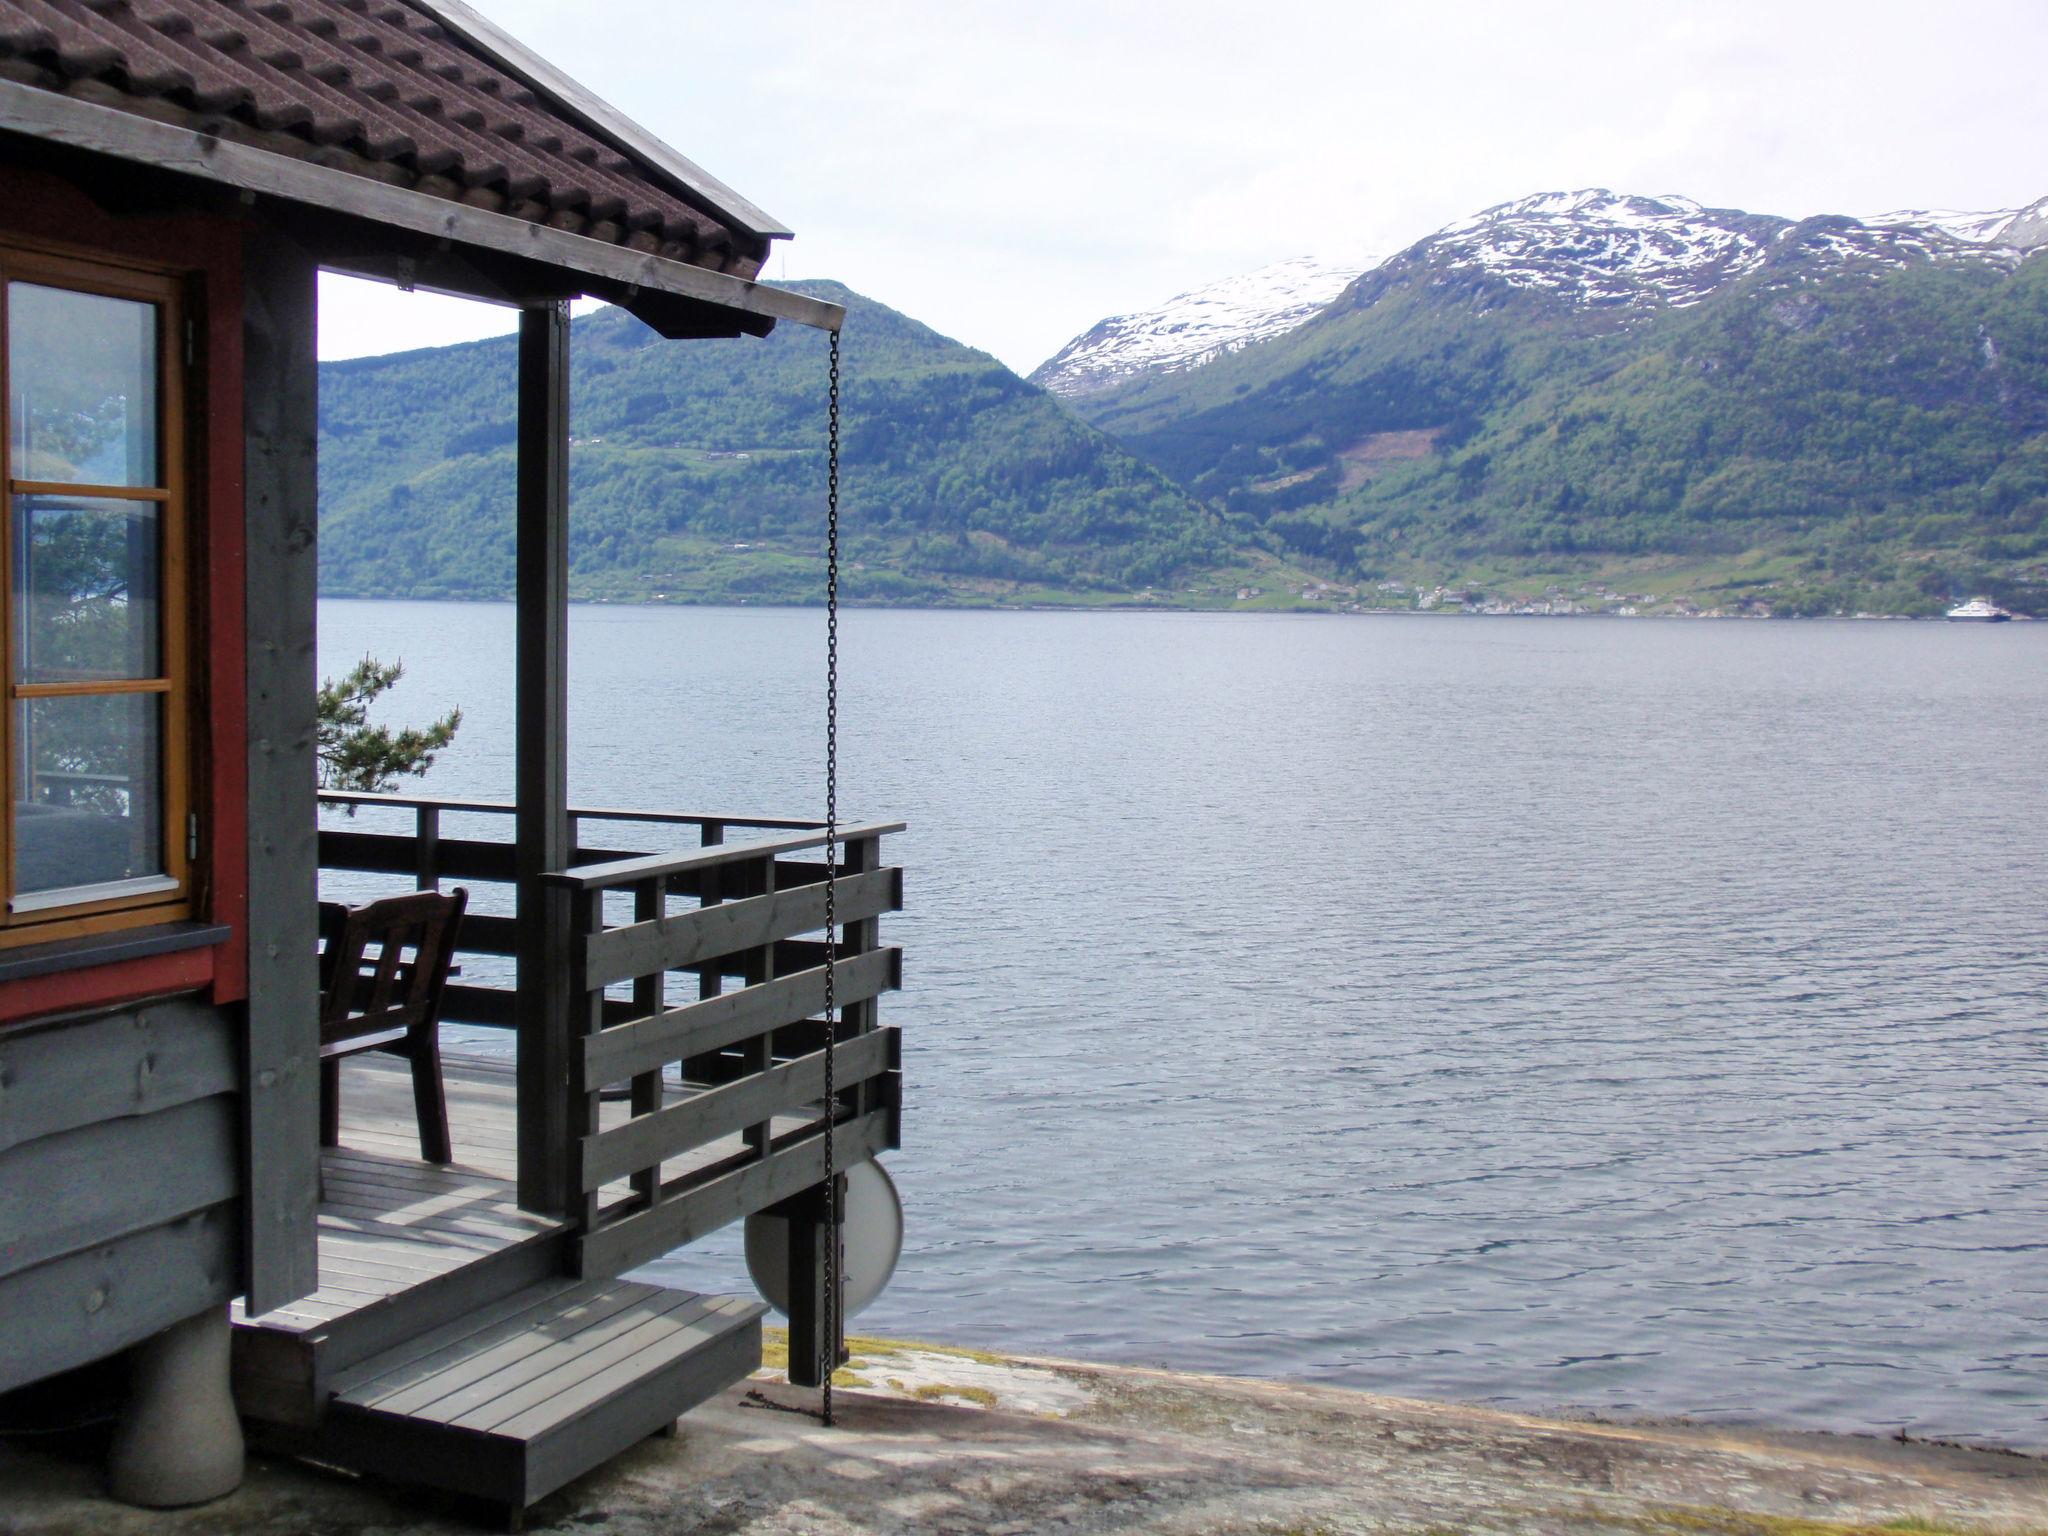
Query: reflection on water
[[1641, 1016]]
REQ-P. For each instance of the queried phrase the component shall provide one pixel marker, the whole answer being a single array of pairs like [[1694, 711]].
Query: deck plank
[[354, 1253], [435, 1349], [583, 1384], [436, 1212], [495, 1371], [448, 1232]]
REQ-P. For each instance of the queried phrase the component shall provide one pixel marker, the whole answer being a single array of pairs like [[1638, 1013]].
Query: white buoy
[[871, 1241]]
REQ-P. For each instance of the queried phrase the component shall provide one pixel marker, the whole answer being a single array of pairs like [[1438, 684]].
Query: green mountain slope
[[1826, 432], [697, 472]]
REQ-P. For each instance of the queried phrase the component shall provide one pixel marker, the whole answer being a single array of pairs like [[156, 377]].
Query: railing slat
[[489, 1006], [696, 819], [397, 853], [360, 798], [647, 1141], [492, 1007], [715, 1023], [626, 871], [480, 933], [690, 938], [618, 1245]]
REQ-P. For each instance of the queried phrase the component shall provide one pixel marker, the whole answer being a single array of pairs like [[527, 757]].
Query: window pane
[[81, 395], [89, 771], [87, 587]]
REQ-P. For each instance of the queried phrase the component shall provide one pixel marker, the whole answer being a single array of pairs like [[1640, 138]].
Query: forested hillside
[[1608, 400], [1838, 418], [697, 472]]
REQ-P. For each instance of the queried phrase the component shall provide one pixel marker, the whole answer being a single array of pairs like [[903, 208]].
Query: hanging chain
[[831, 1318]]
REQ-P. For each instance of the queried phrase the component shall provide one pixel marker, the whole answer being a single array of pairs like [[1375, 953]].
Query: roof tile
[[389, 88]]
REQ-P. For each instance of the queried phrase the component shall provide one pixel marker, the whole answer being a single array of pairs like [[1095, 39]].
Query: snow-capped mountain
[[1572, 381], [1594, 249], [1598, 249], [1197, 327], [2017, 229]]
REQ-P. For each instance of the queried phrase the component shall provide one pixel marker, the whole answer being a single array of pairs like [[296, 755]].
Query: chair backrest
[[385, 965]]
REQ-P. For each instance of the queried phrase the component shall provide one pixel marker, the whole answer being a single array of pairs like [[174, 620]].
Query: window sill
[[108, 948]]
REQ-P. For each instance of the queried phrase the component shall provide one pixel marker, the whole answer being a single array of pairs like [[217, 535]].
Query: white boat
[[1978, 610]]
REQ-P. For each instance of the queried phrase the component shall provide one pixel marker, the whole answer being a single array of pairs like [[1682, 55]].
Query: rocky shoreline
[[939, 1440]]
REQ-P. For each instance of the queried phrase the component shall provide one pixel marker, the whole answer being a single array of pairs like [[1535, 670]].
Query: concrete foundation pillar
[[178, 1440]]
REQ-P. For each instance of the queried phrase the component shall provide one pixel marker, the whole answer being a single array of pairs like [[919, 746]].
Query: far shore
[[1308, 610]]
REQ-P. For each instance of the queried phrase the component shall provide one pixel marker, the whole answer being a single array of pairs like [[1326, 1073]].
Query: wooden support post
[[542, 757], [809, 1233], [281, 1088]]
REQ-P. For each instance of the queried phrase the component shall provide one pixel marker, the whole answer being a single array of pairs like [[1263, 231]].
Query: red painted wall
[[208, 252]]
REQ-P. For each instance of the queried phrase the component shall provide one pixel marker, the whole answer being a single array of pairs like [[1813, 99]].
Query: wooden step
[[405, 1247], [514, 1402]]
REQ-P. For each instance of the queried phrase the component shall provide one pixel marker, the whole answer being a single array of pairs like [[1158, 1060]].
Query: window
[[94, 730]]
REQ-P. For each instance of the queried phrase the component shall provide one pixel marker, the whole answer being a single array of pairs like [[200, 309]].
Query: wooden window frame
[[21, 262]]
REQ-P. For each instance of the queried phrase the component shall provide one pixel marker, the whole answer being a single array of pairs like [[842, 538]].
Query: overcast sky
[[1010, 174]]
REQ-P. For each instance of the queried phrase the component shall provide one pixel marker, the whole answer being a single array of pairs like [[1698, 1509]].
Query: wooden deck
[[448, 1342], [377, 1114], [390, 1223]]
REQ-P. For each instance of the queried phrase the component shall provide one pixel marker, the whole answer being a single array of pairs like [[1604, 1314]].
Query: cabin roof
[[423, 94], [408, 140]]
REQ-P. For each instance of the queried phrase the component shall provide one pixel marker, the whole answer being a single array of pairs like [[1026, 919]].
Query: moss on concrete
[[943, 1391], [1700, 1521], [775, 1348]]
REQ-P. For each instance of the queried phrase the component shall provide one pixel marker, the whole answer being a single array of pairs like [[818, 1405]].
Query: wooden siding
[[79, 1072], [119, 1171]]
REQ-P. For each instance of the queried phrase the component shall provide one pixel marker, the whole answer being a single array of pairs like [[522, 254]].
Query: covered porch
[[688, 1007], [675, 1060], [684, 963], [461, 1325]]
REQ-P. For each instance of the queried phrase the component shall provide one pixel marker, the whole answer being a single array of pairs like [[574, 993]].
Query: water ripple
[[1643, 1017]]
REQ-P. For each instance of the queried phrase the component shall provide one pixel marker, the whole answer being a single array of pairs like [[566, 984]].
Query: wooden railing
[[748, 1131], [426, 857]]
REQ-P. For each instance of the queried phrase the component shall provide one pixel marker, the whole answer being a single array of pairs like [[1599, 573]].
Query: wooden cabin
[[173, 175]]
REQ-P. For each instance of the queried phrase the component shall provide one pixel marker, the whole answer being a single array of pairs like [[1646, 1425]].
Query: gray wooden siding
[[119, 1171]]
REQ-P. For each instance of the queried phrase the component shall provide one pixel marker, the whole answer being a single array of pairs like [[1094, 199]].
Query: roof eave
[[82, 125], [601, 118]]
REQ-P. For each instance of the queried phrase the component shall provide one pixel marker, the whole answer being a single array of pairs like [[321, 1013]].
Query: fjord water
[[1642, 1016]]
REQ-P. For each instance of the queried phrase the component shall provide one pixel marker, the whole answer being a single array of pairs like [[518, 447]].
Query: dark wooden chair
[[383, 968]]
